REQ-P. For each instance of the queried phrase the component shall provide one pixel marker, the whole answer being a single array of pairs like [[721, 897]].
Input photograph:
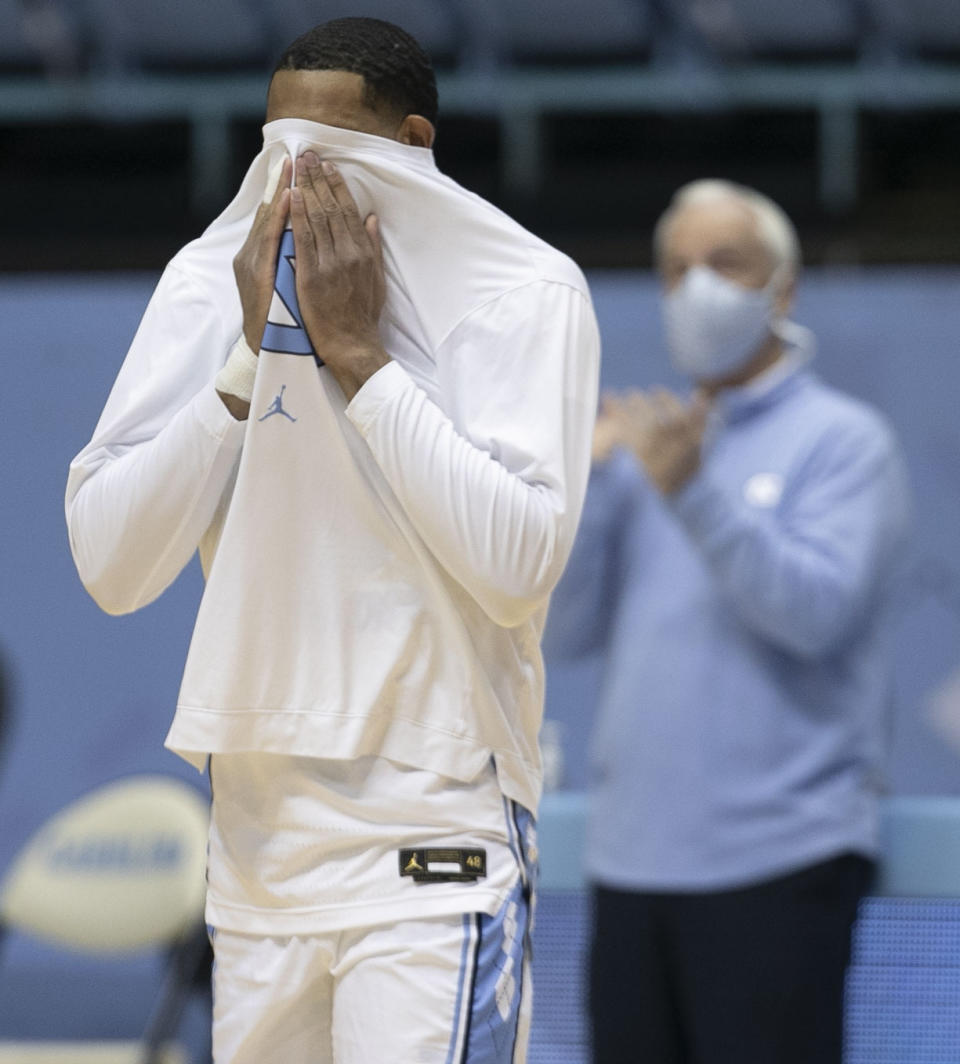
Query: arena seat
[[434, 23], [774, 29], [176, 35], [570, 31], [17, 53], [922, 28], [119, 871]]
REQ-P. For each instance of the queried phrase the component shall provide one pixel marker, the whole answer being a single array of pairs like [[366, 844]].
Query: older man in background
[[735, 563]]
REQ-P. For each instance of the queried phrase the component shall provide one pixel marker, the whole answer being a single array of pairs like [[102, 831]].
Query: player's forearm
[[136, 515], [503, 538]]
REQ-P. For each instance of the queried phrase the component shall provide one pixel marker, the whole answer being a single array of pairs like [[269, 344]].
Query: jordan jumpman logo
[[276, 407]]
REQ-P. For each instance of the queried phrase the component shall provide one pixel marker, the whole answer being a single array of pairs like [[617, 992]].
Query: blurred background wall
[[124, 128]]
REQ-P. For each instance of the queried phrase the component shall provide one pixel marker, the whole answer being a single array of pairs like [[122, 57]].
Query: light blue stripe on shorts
[[495, 968]]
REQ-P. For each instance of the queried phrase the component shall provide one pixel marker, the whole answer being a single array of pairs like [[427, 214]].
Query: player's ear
[[416, 131]]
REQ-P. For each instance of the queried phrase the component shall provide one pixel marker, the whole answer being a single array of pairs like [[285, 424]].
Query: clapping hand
[[663, 432]]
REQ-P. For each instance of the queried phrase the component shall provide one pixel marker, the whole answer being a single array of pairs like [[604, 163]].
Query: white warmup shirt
[[377, 573]]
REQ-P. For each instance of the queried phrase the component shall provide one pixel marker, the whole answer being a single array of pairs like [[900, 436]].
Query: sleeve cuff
[[238, 375], [389, 381]]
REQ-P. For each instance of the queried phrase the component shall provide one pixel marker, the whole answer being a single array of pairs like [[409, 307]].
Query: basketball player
[[367, 397]]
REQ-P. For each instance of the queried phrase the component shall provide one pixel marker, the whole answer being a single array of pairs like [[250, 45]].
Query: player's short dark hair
[[397, 72]]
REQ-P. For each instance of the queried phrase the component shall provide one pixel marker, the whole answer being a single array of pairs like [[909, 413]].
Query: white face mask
[[714, 325]]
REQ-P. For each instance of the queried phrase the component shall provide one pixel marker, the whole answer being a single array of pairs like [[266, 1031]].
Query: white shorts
[[443, 990], [304, 846]]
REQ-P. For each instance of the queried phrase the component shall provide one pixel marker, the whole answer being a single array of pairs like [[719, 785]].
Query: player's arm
[[143, 492], [494, 482], [805, 576], [255, 272]]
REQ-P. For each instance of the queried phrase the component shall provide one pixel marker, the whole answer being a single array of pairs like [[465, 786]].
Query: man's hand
[[255, 265], [606, 430], [340, 279], [663, 432]]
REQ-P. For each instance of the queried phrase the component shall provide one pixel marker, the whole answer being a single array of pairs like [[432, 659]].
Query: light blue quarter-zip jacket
[[746, 626]]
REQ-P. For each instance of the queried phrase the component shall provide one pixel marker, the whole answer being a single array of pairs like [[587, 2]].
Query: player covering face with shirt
[[366, 397], [340, 285]]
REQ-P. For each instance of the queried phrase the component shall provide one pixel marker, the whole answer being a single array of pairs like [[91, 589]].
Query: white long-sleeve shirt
[[378, 572]]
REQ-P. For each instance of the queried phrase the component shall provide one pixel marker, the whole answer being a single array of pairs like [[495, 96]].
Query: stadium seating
[[745, 29], [219, 34], [17, 52], [920, 28], [176, 35], [570, 31], [434, 23]]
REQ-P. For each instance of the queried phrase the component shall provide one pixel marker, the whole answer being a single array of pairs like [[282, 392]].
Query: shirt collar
[[733, 404], [298, 134]]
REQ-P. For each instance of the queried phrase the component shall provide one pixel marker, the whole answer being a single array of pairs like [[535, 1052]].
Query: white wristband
[[239, 371]]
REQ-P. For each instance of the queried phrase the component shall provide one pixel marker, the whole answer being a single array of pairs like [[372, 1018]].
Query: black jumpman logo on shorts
[[276, 407]]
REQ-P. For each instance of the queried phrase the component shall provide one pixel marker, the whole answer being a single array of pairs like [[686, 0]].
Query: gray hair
[[776, 230]]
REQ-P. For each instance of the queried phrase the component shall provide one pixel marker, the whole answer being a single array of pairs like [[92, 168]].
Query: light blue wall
[[94, 695]]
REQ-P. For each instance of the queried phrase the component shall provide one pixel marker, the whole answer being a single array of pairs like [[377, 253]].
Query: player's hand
[[340, 278], [664, 432], [255, 264]]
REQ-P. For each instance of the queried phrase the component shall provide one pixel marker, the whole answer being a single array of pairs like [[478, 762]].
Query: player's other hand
[[340, 278], [255, 264], [664, 433]]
